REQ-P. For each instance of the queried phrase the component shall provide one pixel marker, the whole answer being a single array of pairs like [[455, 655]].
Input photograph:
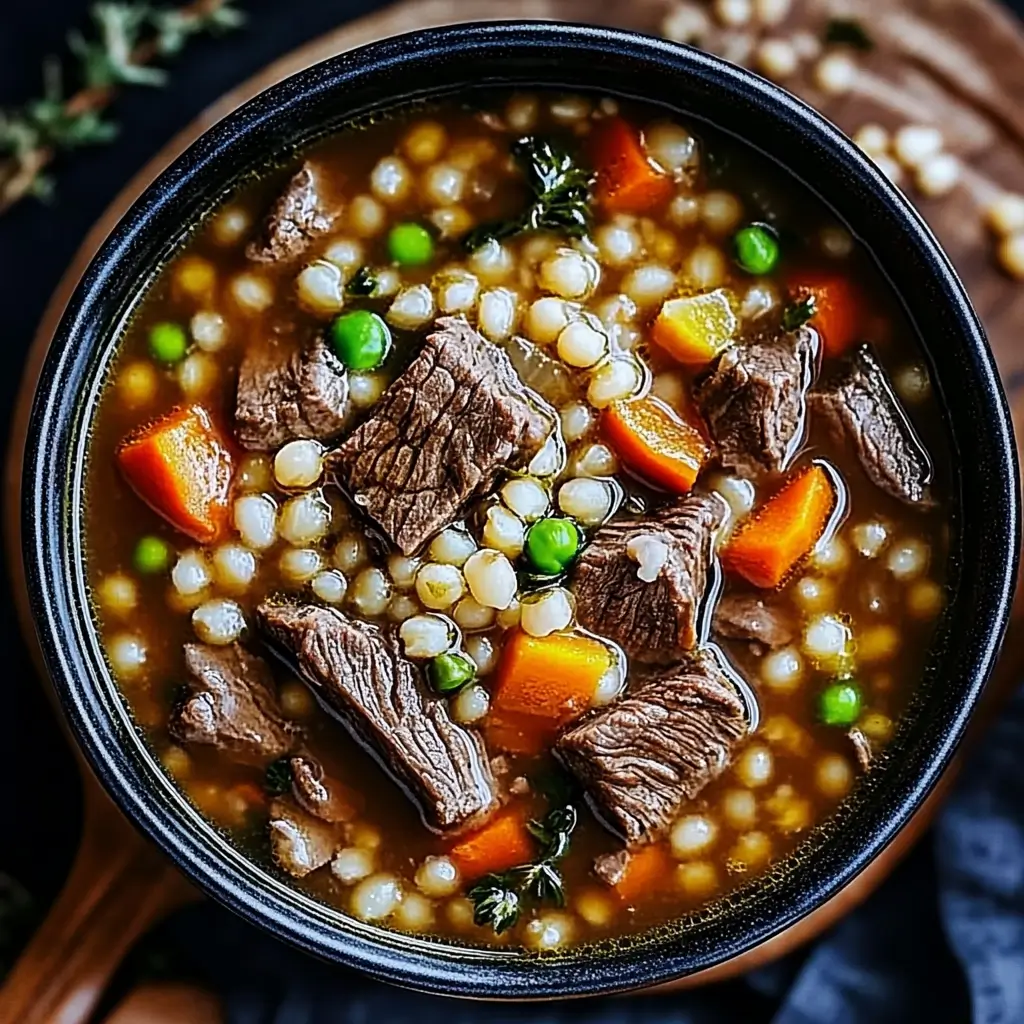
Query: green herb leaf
[[560, 191], [494, 903], [363, 282], [796, 315], [499, 899], [848, 32], [278, 777]]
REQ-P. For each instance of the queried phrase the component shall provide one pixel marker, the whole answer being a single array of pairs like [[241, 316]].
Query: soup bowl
[[456, 61]]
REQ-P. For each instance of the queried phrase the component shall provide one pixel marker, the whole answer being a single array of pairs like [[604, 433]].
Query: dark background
[[41, 812]]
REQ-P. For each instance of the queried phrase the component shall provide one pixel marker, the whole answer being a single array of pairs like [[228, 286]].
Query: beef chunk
[[285, 393], [320, 795], [611, 867], [652, 621], [643, 757], [861, 410], [439, 435], [749, 617], [358, 669], [862, 748], [753, 401], [232, 705], [299, 842], [299, 215]]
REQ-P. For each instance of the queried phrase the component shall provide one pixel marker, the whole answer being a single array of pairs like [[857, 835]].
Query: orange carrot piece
[[655, 442], [542, 682], [838, 306], [766, 548], [647, 870], [180, 465], [501, 844], [627, 181]]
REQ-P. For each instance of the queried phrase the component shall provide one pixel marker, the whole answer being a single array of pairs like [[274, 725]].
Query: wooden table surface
[[958, 64]]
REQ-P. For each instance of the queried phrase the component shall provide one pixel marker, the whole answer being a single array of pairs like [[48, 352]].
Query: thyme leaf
[[278, 777], [498, 899], [848, 32], [559, 190], [363, 282], [797, 314]]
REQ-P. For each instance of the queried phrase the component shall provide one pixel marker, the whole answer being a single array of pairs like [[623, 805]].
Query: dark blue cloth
[[941, 941]]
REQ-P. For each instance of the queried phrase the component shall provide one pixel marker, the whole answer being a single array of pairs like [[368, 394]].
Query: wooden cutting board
[[958, 64]]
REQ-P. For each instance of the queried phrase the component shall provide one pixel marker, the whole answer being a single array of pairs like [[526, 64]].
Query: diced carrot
[[180, 465], [542, 682], [656, 442], [765, 549], [838, 306], [647, 870], [627, 181], [695, 328], [501, 844]]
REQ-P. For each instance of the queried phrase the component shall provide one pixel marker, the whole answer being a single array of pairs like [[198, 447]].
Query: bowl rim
[[56, 431]]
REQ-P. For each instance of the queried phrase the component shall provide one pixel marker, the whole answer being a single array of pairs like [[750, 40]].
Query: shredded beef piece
[[320, 795], [611, 867], [439, 436], [641, 758], [359, 670], [300, 842], [657, 621], [753, 401], [299, 215], [748, 617], [232, 705], [286, 393], [861, 411]]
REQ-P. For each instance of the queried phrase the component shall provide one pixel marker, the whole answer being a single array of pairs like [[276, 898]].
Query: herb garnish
[[363, 282], [560, 191], [498, 899], [796, 315], [848, 32], [128, 38], [278, 777]]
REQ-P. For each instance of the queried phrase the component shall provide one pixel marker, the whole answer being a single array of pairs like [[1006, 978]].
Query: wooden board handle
[[119, 886]]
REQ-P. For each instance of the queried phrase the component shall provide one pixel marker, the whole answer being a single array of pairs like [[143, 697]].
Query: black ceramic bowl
[[448, 61]]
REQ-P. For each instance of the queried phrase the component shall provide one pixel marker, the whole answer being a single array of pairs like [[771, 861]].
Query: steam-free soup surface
[[521, 526]]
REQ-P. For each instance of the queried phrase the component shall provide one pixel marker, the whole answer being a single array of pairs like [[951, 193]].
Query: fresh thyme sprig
[[499, 899], [796, 315], [128, 37], [559, 189]]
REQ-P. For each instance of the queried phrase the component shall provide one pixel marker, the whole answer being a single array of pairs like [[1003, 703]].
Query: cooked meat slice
[[285, 393], [862, 748], [641, 758], [652, 621], [611, 867], [861, 410], [320, 795], [299, 842], [299, 215], [439, 436], [754, 401], [359, 670], [232, 705], [749, 617]]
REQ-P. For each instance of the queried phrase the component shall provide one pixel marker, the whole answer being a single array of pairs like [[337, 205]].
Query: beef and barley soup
[[522, 525]]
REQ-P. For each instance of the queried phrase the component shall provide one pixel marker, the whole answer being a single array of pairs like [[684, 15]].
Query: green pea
[[840, 703], [410, 245], [552, 544], [360, 339], [757, 249], [168, 343], [450, 672], [151, 556]]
